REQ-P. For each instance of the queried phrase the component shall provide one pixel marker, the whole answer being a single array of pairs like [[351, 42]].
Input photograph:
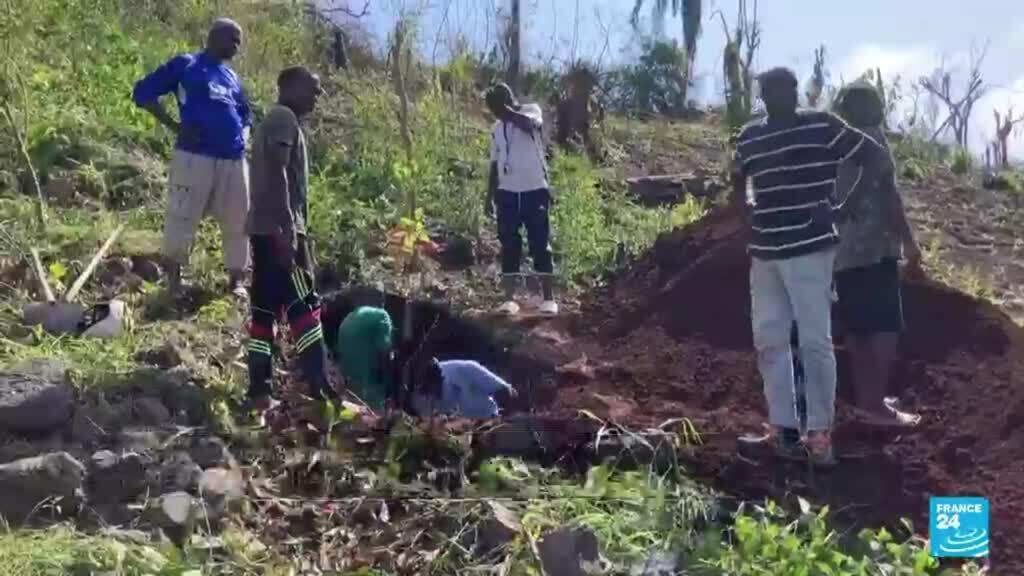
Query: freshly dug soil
[[671, 337]]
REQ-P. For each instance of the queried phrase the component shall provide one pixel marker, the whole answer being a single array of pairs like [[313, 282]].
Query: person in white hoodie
[[519, 195]]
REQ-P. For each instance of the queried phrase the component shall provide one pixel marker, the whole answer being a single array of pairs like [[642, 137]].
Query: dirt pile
[[671, 337]]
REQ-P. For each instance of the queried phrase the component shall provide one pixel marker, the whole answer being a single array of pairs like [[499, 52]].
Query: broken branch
[[84, 277]]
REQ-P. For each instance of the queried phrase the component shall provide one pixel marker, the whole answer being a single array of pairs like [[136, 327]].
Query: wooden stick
[[84, 277], [41, 274]]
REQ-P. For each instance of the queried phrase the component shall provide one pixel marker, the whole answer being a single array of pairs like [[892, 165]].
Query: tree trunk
[[515, 50], [340, 51], [403, 111]]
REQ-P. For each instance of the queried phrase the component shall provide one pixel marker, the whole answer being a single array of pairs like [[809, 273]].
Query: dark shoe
[[260, 407], [784, 441], [819, 447]]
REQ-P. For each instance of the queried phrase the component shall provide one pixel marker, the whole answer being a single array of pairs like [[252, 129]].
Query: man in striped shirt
[[792, 158]]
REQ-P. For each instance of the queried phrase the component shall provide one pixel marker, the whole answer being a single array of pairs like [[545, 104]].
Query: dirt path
[[671, 338]]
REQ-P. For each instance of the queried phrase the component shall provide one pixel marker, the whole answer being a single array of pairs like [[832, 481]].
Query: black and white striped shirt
[[794, 168]]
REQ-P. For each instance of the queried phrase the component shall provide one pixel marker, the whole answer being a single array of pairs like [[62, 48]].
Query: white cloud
[[905, 61], [983, 122], [912, 62]]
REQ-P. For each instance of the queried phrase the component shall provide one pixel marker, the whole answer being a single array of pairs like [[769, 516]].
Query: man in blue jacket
[[208, 174]]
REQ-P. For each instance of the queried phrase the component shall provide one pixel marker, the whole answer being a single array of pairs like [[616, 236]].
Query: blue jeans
[[783, 291]]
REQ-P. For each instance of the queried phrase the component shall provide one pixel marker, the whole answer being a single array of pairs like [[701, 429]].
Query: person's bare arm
[[738, 198], [281, 135], [157, 109], [851, 144], [492, 188], [524, 122], [897, 217]]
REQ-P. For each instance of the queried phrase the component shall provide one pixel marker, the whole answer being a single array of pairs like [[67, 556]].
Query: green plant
[[766, 541], [596, 224], [961, 162], [656, 83]]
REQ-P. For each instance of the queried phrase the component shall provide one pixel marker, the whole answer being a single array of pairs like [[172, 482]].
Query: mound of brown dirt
[[671, 337]]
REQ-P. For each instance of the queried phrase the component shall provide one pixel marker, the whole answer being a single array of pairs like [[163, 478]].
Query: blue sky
[[904, 37]]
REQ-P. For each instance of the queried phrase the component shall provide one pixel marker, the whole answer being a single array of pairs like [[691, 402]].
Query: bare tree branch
[[343, 10], [959, 109]]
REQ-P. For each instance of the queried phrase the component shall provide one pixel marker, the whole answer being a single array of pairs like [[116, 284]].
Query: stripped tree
[[1004, 128], [819, 78], [737, 58], [958, 109]]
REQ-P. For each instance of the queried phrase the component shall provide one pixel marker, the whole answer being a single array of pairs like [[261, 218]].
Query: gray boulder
[[568, 552], [27, 483], [34, 404], [116, 477]]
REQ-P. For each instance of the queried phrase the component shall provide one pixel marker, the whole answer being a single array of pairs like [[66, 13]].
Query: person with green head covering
[[363, 353], [867, 275]]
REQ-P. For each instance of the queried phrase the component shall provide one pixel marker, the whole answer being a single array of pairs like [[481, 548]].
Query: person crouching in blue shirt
[[208, 174], [460, 388]]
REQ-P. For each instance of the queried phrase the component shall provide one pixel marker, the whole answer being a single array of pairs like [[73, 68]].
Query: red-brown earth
[[670, 337]]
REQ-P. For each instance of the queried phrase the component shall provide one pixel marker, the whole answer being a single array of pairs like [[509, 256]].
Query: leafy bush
[[961, 162], [768, 542], [657, 83], [596, 225]]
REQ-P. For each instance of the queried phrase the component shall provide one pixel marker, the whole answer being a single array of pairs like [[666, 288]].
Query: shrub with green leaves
[[961, 162], [597, 225], [768, 541]]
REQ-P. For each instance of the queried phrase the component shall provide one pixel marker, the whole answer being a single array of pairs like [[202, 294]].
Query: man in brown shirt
[[282, 272]]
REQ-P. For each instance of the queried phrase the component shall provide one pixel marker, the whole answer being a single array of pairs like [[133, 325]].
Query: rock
[[210, 452], [34, 405], [516, 436], [107, 514], [458, 254], [166, 356], [565, 552], [45, 368], [150, 412], [116, 478], [59, 190], [92, 422], [113, 270], [629, 451], [495, 534], [147, 268], [175, 513], [220, 488], [659, 563], [177, 390], [180, 474], [24, 484], [141, 441]]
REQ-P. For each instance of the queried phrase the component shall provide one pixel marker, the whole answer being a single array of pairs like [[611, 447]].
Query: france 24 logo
[[958, 527]]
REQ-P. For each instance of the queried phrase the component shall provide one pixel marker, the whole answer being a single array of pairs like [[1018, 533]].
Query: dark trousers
[[530, 210], [282, 293]]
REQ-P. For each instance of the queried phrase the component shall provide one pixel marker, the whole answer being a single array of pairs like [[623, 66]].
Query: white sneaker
[[549, 308], [509, 308]]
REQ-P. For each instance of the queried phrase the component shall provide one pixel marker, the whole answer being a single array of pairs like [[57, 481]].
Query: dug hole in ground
[[670, 337]]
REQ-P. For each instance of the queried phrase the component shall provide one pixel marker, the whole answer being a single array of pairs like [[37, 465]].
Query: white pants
[[201, 186], [782, 291]]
